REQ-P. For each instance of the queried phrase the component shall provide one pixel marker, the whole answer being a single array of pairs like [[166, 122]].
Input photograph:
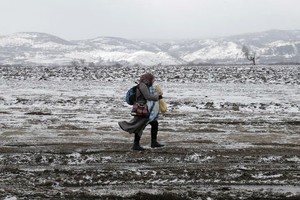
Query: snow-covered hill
[[40, 48]]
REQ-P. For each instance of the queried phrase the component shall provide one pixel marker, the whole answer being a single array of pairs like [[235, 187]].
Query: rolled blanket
[[153, 106]]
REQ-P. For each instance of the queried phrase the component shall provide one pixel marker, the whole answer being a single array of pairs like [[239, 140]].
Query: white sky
[[147, 19]]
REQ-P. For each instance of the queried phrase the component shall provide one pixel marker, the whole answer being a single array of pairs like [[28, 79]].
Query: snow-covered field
[[231, 132]]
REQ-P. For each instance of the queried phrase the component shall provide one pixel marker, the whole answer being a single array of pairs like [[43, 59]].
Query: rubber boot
[[154, 130], [136, 144], [155, 144]]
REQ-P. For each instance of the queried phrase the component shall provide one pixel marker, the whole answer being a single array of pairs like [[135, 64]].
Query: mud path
[[112, 171]]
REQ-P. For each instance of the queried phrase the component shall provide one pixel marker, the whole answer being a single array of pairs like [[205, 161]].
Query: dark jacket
[[138, 124], [143, 94]]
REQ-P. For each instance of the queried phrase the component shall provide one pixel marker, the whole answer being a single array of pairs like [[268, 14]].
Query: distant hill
[[40, 48]]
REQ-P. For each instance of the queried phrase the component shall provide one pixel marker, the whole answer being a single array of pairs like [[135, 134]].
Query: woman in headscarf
[[145, 94]]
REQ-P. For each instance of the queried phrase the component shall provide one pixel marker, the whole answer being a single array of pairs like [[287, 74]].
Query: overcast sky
[[147, 19]]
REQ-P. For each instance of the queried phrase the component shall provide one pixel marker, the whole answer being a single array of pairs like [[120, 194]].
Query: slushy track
[[112, 170]]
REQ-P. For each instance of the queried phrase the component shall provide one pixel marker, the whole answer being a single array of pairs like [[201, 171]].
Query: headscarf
[[147, 79]]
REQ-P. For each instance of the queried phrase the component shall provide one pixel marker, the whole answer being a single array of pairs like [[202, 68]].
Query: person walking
[[145, 94]]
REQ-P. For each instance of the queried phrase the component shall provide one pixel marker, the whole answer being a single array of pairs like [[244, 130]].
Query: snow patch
[[10, 198], [266, 176]]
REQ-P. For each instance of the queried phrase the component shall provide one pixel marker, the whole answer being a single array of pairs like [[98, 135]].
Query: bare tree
[[82, 62], [250, 55], [78, 63], [92, 64], [74, 63]]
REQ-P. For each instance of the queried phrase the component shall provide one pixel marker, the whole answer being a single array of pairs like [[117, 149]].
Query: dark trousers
[[154, 131]]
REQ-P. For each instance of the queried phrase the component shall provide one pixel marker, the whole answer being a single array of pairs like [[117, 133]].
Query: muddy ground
[[224, 139]]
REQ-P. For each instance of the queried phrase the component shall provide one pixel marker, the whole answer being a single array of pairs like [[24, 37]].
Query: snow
[[281, 43], [139, 57], [198, 158], [94, 99], [271, 158], [53, 45], [69, 116], [12, 41], [224, 51], [294, 159], [266, 176], [109, 49], [10, 198]]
